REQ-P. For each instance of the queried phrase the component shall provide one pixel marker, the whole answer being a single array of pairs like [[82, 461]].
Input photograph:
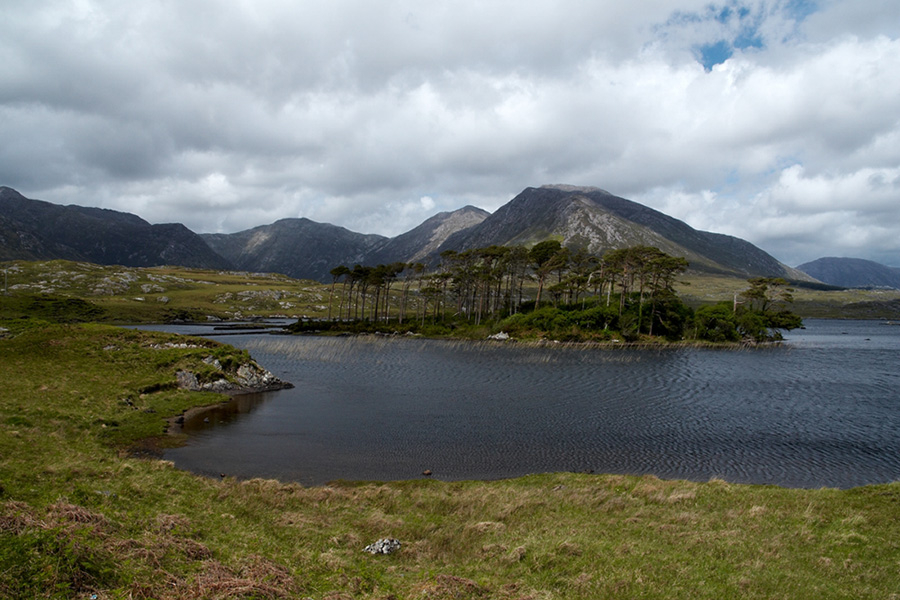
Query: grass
[[697, 290], [81, 515]]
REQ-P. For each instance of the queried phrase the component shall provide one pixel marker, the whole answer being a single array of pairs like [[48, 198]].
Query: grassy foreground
[[80, 517]]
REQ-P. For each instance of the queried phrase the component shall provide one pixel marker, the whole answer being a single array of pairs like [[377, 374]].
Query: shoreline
[[194, 411], [173, 435]]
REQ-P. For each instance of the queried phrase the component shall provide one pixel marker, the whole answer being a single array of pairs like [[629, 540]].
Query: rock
[[253, 376], [220, 386], [383, 546], [500, 337], [249, 377], [187, 380], [427, 472], [214, 362]]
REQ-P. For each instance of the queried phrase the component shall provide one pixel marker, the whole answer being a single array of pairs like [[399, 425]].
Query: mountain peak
[[582, 189], [423, 241]]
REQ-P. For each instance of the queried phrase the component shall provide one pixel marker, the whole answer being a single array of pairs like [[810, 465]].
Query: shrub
[[716, 323]]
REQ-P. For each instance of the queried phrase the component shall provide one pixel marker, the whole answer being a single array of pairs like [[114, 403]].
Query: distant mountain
[[591, 218], [37, 230], [296, 247], [852, 272], [418, 244]]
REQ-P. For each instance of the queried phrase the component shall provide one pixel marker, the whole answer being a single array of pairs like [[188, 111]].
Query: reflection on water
[[822, 410], [220, 414]]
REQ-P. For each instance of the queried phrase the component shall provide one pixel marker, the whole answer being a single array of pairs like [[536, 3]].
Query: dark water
[[821, 410]]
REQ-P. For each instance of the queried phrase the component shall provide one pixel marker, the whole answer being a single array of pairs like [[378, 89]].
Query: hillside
[[37, 230], [852, 272]]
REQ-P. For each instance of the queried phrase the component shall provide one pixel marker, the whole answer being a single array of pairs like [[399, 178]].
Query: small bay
[[820, 410]]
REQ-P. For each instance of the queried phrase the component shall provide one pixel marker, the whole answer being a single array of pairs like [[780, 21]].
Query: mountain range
[[38, 230], [852, 273], [584, 217]]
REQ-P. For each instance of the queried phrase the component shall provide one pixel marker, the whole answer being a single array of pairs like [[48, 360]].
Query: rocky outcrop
[[246, 378]]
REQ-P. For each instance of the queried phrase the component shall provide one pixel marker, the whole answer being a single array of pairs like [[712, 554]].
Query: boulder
[[383, 546], [187, 381]]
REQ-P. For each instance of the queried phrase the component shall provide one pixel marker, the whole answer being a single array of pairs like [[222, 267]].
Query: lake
[[821, 410]]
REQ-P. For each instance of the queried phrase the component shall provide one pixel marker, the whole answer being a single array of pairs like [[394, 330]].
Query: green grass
[[80, 515]]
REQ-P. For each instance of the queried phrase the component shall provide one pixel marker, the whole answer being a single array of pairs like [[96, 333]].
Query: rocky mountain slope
[[425, 240], [852, 272], [37, 230], [594, 219]]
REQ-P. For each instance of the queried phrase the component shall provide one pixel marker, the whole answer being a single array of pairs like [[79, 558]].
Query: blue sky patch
[[711, 55], [740, 27]]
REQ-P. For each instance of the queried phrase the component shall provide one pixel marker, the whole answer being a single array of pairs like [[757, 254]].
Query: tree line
[[553, 289]]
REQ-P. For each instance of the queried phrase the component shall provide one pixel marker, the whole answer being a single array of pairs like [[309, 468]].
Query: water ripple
[[820, 411]]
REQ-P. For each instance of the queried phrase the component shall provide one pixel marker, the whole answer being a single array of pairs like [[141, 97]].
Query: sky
[[776, 121]]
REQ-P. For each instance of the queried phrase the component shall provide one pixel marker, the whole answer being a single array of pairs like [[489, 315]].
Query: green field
[[88, 509]]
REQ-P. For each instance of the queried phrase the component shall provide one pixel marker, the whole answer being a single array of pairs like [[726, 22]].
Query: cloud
[[374, 117]]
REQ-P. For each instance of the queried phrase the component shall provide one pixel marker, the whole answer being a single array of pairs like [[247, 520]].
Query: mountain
[[296, 247], [418, 244], [852, 272], [38, 230], [591, 218]]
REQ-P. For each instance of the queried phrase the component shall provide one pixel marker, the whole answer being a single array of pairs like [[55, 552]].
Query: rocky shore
[[248, 378], [245, 379]]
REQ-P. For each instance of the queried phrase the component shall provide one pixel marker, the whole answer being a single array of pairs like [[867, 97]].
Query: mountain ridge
[[580, 217], [39, 230], [852, 272]]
